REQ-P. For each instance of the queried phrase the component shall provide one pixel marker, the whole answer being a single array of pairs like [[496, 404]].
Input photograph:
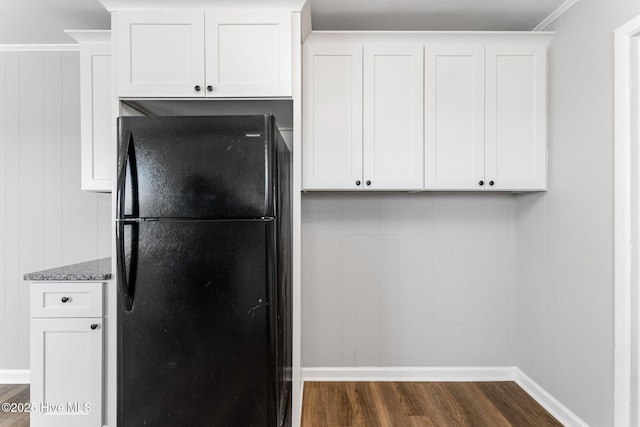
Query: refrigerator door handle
[[127, 243], [127, 163], [126, 276]]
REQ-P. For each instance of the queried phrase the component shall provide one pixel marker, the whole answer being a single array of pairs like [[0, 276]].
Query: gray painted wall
[[45, 220], [408, 279], [565, 237]]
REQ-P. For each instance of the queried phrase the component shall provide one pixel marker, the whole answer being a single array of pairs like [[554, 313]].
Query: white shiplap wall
[[45, 219], [408, 280]]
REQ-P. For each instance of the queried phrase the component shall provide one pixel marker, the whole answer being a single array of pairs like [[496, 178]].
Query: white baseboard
[[14, 376], [547, 401], [449, 374], [446, 373]]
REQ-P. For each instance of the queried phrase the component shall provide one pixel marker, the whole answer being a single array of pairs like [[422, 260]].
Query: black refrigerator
[[204, 272]]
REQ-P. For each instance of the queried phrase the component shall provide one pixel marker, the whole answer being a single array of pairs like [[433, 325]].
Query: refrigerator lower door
[[195, 348]]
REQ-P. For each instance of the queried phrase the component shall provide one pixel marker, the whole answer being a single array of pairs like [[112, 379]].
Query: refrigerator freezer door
[[196, 167], [195, 347]]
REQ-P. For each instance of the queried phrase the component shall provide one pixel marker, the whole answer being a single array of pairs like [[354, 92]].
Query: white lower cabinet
[[66, 355]]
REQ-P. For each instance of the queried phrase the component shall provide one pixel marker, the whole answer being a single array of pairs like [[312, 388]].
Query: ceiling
[[42, 21]]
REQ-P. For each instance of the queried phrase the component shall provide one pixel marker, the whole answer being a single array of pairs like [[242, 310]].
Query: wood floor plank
[[14, 394], [445, 404], [422, 398], [364, 410], [313, 407], [420, 421], [477, 407], [406, 404], [516, 405], [338, 397], [389, 406]]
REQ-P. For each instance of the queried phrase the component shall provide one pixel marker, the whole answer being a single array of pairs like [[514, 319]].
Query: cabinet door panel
[[159, 53], [97, 119], [393, 117], [332, 119], [454, 116], [66, 372], [515, 144], [248, 53]]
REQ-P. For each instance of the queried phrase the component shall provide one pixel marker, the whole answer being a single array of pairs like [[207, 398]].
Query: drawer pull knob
[[481, 183], [358, 182], [94, 326], [210, 88], [197, 88], [491, 182], [65, 299], [368, 182]]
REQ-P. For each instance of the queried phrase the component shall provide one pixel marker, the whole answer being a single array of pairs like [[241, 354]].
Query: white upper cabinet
[[97, 125], [196, 54], [159, 53], [248, 53], [362, 116], [454, 116], [516, 132], [425, 111], [332, 119], [485, 116], [393, 117]]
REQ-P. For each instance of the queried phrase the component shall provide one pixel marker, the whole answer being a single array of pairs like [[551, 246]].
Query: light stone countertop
[[99, 269]]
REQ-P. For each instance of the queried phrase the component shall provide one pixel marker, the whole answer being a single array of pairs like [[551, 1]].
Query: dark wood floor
[[14, 394], [400, 404], [387, 404]]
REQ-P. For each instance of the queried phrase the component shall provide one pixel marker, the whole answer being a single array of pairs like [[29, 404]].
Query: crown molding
[[554, 15], [115, 5], [90, 36], [39, 47]]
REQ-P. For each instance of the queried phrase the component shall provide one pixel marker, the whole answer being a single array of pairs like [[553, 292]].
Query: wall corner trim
[[554, 15], [547, 401], [15, 376]]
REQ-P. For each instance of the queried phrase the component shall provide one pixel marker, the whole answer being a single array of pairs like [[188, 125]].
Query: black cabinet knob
[[358, 182], [65, 299], [481, 183], [368, 182], [197, 88], [210, 88], [491, 182], [94, 326]]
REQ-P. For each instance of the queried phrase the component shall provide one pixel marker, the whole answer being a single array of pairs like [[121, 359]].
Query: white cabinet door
[[393, 116], [454, 116], [66, 372], [159, 53], [96, 118], [248, 53], [332, 119], [515, 142]]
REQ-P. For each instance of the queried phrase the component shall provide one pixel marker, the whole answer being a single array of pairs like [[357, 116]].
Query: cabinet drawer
[[55, 299]]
